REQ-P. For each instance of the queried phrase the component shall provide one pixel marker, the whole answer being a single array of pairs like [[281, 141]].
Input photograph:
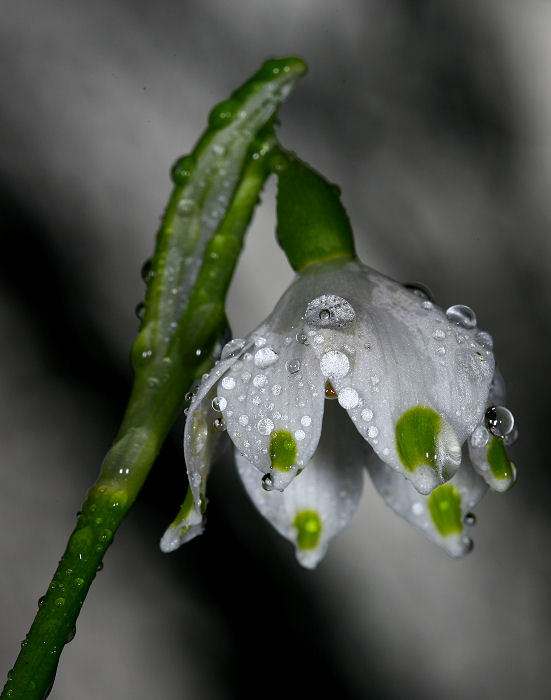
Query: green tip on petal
[[308, 525], [500, 464], [283, 450], [416, 437], [445, 509]]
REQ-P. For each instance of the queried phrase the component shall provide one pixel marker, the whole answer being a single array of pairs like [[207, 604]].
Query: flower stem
[[216, 190]]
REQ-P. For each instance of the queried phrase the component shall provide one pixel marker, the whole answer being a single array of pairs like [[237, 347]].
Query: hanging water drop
[[302, 338], [462, 315], [147, 272], [470, 519], [267, 482], [219, 424], [500, 421], [420, 290], [484, 339], [510, 439]]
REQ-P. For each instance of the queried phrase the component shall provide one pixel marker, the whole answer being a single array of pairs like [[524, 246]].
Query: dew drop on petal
[[302, 338], [260, 380], [293, 366], [348, 398], [219, 424], [265, 426], [463, 315], [373, 431], [265, 357], [439, 334], [334, 364], [228, 383], [232, 348], [330, 311], [219, 403], [300, 434], [243, 420], [484, 339], [276, 389], [470, 519], [260, 342], [306, 421], [367, 415], [499, 420], [417, 508]]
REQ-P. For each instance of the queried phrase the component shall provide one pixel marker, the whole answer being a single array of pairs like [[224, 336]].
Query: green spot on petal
[[283, 450], [308, 525], [500, 464], [445, 509], [416, 437]]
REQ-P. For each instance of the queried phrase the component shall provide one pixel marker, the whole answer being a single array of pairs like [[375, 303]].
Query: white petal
[[200, 440], [276, 386], [397, 354], [442, 515], [323, 497]]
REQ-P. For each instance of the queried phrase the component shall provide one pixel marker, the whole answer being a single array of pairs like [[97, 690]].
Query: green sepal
[[312, 224]]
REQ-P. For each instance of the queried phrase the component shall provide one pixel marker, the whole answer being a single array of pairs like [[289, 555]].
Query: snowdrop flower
[[409, 391]]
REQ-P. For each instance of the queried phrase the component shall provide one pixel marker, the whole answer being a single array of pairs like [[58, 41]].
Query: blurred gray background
[[434, 118]]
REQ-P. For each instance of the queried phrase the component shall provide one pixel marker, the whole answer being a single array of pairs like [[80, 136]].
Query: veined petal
[[444, 514], [321, 501], [393, 354], [273, 401]]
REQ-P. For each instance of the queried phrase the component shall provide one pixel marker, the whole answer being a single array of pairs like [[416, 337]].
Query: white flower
[[415, 381]]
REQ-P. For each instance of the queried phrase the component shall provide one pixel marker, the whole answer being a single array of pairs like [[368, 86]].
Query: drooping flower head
[[353, 370]]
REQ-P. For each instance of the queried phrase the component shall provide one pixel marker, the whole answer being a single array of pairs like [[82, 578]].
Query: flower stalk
[[216, 189]]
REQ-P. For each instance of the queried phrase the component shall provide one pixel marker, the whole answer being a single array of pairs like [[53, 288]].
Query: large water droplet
[[420, 290], [265, 426], [500, 420], [484, 339], [464, 316], [334, 364], [232, 348], [330, 311]]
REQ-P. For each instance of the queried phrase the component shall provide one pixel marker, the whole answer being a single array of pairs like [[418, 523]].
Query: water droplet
[[186, 207], [186, 412], [228, 383], [484, 339], [420, 290], [189, 396], [147, 271], [140, 310], [59, 602], [348, 398], [302, 338], [367, 415], [293, 366], [100, 566], [427, 305], [417, 508], [334, 364], [306, 421], [480, 437], [267, 482], [232, 348], [260, 380], [71, 634], [182, 169], [41, 601], [330, 311], [276, 389], [373, 431], [260, 342], [219, 403], [439, 334], [300, 435], [265, 357], [500, 420], [265, 426], [470, 519], [243, 420], [464, 316], [219, 424]]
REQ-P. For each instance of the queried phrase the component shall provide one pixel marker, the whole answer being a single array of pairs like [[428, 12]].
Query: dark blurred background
[[433, 117]]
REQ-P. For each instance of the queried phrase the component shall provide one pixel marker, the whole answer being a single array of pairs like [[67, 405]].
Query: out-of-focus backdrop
[[434, 118]]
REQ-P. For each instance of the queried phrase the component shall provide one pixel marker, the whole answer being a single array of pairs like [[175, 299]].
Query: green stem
[[175, 345]]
